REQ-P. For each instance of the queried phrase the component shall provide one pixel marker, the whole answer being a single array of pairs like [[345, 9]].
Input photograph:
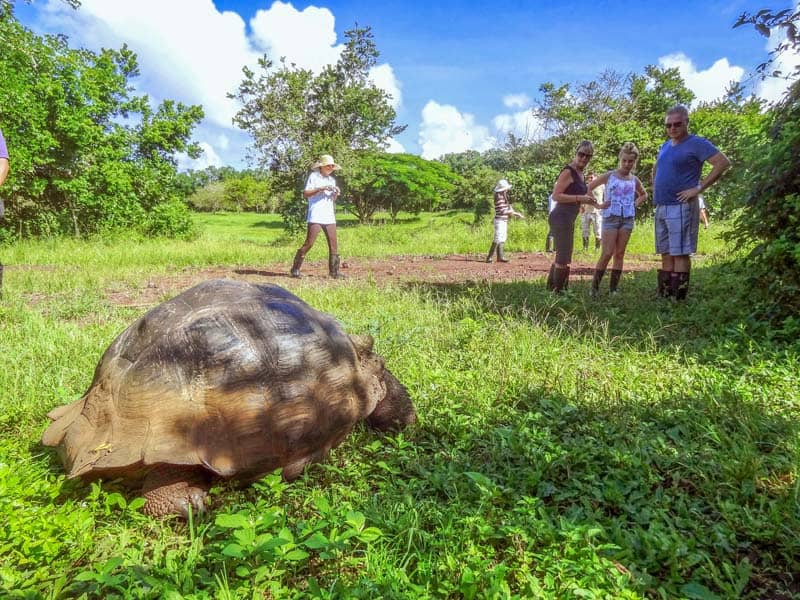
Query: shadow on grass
[[277, 225], [687, 490], [716, 310], [262, 273]]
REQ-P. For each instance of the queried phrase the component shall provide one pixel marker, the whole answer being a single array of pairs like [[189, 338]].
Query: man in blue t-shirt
[[3, 174], [675, 191]]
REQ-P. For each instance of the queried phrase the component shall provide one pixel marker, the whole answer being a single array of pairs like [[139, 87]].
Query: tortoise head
[[393, 407]]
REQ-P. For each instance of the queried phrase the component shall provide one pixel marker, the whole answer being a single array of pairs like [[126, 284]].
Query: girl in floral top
[[623, 194]]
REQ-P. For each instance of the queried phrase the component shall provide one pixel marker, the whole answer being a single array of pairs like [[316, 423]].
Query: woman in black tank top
[[569, 192]]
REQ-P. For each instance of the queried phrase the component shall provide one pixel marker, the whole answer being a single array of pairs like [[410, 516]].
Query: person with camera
[[321, 192]]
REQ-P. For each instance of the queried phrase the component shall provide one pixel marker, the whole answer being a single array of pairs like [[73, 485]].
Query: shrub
[[169, 219]]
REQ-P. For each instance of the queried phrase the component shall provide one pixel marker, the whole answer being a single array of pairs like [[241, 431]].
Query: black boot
[[491, 252], [501, 257], [679, 285], [586, 243], [333, 266], [560, 279], [614, 281], [663, 289], [549, 283], [298, 262], [598, 277]]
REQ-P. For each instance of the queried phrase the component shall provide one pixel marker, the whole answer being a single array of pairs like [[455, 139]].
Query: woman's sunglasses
[[584, 154]]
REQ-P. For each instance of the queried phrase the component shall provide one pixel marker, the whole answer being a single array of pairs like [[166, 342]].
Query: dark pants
[[311, 236], [562, 224]]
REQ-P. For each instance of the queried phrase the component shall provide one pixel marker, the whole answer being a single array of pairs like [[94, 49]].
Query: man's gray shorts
[[677, 226]]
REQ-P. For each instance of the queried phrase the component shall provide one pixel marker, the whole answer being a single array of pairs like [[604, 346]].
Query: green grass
[[566, 447]]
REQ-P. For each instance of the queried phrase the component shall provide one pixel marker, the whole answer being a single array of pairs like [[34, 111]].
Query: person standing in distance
[[321, 192], [502, 211], [675, 190], [4, 169]]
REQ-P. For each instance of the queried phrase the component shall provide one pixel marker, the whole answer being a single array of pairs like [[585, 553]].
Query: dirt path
[[455, 268]]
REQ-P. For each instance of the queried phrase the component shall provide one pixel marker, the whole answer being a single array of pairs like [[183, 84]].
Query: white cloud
[[196, 65], [306, 38], [445, 129], [209, 158], [707, 85], [522, 124], [516, 101], [383, 77], [395, 147], [772, 89]]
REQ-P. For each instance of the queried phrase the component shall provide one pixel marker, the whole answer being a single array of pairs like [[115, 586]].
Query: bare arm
[[719, 164], [4, 170], [641, 193]]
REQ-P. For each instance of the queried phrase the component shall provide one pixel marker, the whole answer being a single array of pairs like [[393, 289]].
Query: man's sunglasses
[[675, 124]]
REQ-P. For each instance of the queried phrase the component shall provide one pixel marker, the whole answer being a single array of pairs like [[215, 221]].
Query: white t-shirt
[[321, 204]]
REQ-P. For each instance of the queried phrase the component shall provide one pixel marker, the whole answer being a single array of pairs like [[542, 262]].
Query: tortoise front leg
[[173, 489]]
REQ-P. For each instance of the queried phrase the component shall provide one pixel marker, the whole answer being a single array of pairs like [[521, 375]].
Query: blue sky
[[462, 74]]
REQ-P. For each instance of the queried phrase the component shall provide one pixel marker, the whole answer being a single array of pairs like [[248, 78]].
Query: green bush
[[771, 218], [169, 219]]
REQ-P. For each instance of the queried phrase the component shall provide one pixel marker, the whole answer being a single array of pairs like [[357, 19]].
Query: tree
[[294, 115], [770, 219], [248, 193], [395, 182], [79, 167]]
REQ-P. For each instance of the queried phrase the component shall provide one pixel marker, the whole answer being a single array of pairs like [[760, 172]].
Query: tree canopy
[[395, 182], [87, 155]]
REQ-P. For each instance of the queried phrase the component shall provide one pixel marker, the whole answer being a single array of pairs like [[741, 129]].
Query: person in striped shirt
[[502, 211]]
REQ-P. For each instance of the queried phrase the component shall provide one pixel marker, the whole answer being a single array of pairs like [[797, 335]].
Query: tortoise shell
[[235, 377]]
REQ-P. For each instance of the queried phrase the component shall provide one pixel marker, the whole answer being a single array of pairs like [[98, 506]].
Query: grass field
[[566, 447]]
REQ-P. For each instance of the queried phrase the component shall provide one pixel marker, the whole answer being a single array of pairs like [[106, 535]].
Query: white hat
[[324, 161], [502, 186]]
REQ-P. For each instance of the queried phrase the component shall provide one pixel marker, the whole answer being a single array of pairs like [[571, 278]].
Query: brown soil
[[456, 268]]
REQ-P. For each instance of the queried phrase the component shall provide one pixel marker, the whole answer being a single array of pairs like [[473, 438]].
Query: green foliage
[[78, 167], [771, 218], [393, 182], [169, 219], [735, 126], [533, 185], [249, 193], [208, 198]]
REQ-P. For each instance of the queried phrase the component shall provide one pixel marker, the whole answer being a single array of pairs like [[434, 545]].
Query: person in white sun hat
[[321, 192], [502, 211]]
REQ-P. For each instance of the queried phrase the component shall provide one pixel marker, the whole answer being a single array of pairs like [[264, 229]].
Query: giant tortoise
[[228, 380]]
